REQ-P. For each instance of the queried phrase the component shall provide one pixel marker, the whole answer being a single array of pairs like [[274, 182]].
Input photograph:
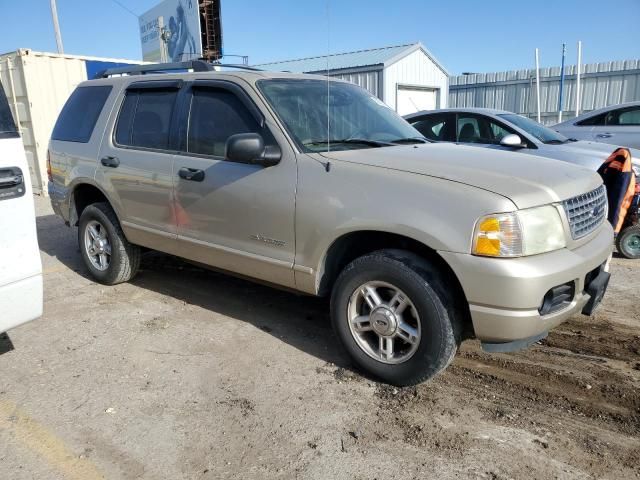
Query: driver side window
[[629, 116], [480, 129], [215, 115]]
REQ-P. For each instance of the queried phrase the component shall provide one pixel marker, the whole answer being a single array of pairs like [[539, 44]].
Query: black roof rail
[[195, 65]]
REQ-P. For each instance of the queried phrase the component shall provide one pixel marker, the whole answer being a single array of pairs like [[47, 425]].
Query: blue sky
[[465, 35]]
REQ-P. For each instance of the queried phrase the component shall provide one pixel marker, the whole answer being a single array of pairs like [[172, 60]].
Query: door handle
[[192, 174], [112, 162], [11, 181], [604, 135]]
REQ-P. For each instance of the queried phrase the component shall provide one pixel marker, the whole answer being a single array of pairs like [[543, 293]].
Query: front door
[[20, 266], [233, 216], [620, 127], [480, 130]]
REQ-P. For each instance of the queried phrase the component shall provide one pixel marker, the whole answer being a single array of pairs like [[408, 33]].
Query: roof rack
[[195, 65]]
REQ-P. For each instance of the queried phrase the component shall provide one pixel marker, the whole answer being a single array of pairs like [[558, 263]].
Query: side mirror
[[512, 140], [249, 148]]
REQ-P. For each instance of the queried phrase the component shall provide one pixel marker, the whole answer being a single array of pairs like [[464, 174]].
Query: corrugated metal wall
[[368, 80], [602, 84]]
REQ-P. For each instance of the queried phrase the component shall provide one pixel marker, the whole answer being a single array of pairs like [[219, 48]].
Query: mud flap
[[596, 290], [512, 346]]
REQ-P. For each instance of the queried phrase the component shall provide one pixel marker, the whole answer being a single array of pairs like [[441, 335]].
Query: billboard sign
[[170, 32]]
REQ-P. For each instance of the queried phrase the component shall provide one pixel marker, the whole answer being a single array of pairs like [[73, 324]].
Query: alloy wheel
[[384, 322]]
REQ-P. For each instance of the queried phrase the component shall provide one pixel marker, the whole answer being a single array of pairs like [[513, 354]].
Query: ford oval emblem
[[596, 211]]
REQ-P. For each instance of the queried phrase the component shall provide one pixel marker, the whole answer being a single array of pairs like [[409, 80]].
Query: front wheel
[[106, 252], [628, 242], [391, 312]]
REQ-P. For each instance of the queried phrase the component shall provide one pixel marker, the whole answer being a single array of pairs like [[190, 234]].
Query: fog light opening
[[558, 298]]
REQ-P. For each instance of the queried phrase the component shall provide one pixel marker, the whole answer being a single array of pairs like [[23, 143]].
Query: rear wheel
[[628, 242], [106, 252], [392, 314]]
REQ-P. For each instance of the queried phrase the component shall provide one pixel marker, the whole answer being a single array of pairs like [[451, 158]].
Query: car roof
[[481, 111], [593, 113]]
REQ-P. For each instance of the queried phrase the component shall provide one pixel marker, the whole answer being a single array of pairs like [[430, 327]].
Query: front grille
[[586, 212]]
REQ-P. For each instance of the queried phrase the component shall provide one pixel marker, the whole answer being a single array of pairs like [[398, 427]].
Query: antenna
[[328, 84]]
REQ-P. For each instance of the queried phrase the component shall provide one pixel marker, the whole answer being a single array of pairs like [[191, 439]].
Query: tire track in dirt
[[560, 408]]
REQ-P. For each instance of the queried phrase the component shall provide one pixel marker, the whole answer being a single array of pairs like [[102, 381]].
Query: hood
[[587, 154], [527, 180]]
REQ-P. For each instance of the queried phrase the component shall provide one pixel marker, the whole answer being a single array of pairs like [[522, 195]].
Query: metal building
[[37, 85], [408, 78], [601, 84]]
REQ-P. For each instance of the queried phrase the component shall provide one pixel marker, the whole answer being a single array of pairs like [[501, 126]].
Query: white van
[[20, 265]]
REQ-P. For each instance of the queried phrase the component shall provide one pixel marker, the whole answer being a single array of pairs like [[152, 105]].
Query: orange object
[[620, 180]]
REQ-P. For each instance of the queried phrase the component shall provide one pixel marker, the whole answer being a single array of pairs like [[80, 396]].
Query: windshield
[[357, 119], [542, 133]]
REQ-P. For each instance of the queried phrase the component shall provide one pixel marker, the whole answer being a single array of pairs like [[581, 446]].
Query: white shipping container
[[37, 85]]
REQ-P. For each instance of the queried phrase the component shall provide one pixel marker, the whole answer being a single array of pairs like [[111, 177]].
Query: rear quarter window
[[7, 124], [79, 115], [591, 121]]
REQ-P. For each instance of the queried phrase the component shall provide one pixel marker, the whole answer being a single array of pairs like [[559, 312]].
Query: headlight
[[525, 232]]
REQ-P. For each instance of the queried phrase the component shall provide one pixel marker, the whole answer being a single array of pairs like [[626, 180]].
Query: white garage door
[[413, 99]]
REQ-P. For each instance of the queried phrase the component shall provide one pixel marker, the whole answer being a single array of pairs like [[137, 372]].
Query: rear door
[[135, 164], [20, 266]]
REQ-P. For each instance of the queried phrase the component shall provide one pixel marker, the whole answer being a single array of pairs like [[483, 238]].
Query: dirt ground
[[189, 374]]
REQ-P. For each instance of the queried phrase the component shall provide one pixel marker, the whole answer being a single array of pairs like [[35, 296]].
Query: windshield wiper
[[555, 142], [360, 141], [411, 140]]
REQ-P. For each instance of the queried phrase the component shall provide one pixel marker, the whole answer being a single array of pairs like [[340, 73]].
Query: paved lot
[[188, 374]]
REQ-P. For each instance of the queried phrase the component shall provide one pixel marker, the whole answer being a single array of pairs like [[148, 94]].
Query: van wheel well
[[83, 196], [353, 245]]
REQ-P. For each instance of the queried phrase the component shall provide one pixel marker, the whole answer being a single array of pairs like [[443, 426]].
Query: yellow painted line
[[41, 441]]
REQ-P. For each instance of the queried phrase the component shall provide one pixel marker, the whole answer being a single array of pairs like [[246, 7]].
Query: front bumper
[[505, 295]]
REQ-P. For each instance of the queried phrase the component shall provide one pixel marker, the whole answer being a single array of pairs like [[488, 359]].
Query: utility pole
[[564, 53], [538, 86], [578, 104], [56, 26]]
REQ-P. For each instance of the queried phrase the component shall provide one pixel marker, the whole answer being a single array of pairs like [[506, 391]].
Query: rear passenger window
[[80, 114], [145, 118], [215, 116], [7, 125], [595, 120]]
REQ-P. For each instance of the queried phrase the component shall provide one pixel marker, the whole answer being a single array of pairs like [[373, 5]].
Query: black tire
[[440, 319], [125, 257], [627, 242]]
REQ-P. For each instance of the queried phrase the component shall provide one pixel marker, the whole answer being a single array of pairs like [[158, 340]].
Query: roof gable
[[384, 56]]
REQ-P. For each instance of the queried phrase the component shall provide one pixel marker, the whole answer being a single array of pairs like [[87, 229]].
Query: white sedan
[[617, 124], [489, 128]]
